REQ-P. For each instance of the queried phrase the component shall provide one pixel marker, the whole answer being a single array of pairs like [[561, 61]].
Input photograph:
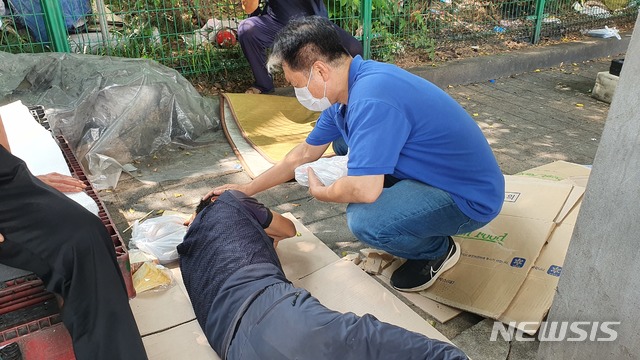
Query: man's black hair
[[205, 202], [303, 41]]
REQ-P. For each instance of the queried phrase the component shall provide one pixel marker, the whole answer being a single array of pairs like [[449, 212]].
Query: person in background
[[419, 169], [70, 250], [256, 34], [249, 310]]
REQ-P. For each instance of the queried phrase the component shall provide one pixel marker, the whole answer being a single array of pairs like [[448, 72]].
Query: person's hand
[[314, 181], [189, 220], [62, 183], [220, 189], [1, 238]]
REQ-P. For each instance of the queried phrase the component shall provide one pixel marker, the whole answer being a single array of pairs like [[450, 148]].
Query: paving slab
[[475, 342]]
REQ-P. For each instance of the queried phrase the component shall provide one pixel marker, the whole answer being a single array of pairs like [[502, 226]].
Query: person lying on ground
[[249, 310], [420, 169], [70, 250]]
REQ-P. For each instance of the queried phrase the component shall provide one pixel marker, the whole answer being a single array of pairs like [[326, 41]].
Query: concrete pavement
[[530, 119]]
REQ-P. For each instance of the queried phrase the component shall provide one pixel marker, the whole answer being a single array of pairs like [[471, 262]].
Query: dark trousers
[[288, 323], [257, 33], [70, 250]]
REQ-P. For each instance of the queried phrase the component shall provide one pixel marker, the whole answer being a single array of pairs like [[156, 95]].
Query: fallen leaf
[[177, 195], [580, 105], [131, 211], [475, 114], [537, 70]]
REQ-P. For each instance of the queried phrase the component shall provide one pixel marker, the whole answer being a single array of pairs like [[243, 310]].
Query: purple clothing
[[255, 208], [257, 33]]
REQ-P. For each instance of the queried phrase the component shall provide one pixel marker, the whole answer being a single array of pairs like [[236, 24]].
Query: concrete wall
[[601, 275]]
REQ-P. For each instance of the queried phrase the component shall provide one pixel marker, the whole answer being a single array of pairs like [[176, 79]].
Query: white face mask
[[307, 100]]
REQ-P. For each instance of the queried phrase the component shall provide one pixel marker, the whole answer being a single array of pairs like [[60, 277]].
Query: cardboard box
[[533, 301], [496, 259]]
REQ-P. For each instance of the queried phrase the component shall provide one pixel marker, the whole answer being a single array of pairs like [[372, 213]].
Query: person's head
[[309, 51], [205, 202]]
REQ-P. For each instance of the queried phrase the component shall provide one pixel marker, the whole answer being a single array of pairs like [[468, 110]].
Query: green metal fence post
[[54, 21], [366, 28], [539, 15]]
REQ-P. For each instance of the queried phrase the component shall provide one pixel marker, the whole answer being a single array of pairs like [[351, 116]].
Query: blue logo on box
[[554, 270], [518, 262]]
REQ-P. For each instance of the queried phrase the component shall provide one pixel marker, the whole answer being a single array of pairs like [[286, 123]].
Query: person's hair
[[205, 202], [303, 41]]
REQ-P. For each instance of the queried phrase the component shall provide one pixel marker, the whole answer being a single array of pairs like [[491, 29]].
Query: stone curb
[[484, 68]]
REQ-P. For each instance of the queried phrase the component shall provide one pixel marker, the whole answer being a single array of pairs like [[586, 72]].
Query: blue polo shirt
[[400, 124]]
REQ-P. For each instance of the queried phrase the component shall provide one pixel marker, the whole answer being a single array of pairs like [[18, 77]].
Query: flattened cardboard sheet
[[186, 341], [318, 269], [160, 310], [566, 172], [304, 254], [557, 171], [360, 293], [534, 299], [440, 312], [496, 259]]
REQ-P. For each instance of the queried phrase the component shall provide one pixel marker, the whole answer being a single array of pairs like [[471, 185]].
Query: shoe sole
[[446, 266]]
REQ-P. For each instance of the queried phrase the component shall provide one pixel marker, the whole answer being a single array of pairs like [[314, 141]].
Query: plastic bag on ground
[[159, 236], [328, 170], [607, 32]]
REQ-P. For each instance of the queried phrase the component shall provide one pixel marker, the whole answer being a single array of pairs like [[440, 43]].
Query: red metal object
[[45, 338]]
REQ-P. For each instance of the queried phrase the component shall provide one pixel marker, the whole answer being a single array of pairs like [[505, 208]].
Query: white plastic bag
[[607, 32], [159, 236], [328, 170]]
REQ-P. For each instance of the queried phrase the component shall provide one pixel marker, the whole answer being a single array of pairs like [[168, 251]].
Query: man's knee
[[248, 31], [359, 221]]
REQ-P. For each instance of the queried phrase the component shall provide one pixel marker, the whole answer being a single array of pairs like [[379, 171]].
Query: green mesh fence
[[183, 34]]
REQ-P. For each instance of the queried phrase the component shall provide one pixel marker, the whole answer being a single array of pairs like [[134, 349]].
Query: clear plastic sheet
[[107, 107]]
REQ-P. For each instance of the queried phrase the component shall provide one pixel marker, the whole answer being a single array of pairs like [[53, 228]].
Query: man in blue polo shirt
[[257, 33], [419, 169]]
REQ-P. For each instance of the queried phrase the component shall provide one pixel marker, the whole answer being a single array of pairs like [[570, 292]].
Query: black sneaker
[[417, 275]]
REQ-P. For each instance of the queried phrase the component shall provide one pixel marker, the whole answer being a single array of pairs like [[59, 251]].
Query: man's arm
[[348, 189], [278, 173], [280, 228], [4, 141], [62, 183], [249, 6]]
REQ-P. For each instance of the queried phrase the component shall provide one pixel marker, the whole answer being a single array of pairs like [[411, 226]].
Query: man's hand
[[220, 189], [62, 183], [315, 185], [1, 238]]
